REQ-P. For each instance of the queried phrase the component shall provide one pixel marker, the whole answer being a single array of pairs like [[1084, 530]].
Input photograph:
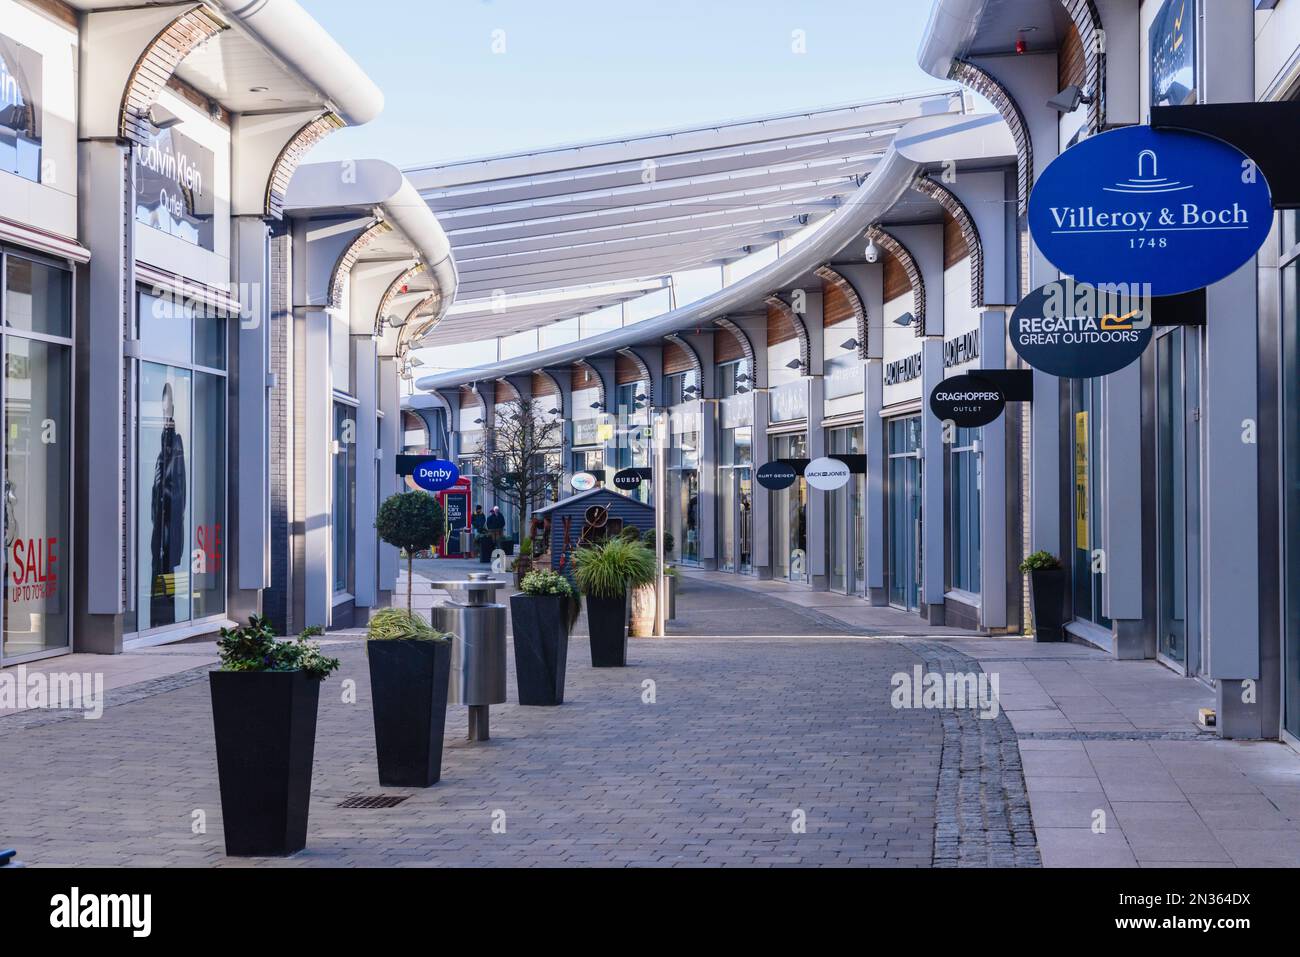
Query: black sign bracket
[[1257, 129]]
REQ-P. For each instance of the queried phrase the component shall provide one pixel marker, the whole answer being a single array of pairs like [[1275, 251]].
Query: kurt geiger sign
[[173, 186], [1162, 210]]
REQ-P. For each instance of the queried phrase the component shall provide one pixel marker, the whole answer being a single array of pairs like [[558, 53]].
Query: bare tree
[[514, 463]]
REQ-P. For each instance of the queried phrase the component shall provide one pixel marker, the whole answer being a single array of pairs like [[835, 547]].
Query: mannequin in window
[[167, 546]]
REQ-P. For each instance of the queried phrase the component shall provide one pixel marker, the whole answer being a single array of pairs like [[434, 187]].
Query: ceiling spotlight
[[850, 345], [1068, 100], [906, 319], [794, 364]]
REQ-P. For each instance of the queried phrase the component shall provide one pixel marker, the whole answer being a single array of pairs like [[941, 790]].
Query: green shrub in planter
[[412, 521], [1039, 561], [542, 615], [391, 624], [605, 574], [264, 702], [1046, 595], [410, 667], [648, 540]]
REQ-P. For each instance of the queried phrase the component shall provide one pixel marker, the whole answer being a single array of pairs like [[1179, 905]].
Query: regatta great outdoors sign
[[1079, 331], [1161, 210]]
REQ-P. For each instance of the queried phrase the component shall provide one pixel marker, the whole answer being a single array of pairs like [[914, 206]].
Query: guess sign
[[32, 569]]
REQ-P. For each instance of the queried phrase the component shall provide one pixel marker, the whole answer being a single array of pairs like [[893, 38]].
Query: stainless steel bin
[[478, 648]]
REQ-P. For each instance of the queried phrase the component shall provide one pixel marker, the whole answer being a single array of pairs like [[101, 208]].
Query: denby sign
[[1161, 211], [436, 475]]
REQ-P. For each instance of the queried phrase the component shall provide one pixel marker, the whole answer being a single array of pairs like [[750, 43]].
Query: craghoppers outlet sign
[[1169, 210]]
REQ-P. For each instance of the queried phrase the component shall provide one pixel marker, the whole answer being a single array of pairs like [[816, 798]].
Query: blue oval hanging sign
[[436, 475], [1160, 211]]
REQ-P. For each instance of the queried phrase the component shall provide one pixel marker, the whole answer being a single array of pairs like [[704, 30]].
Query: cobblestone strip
[[112, 697], [982, 816]]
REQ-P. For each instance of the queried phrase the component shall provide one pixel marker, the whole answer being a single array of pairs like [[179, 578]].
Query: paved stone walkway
[[768, 742]]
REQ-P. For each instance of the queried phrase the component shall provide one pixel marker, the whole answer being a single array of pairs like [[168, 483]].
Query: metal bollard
[[478, 655]]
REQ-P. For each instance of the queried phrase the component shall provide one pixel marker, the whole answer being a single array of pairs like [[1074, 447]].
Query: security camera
[[872, 253]]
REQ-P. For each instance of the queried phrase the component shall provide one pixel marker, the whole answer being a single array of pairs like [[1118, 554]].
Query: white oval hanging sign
[[827, 475]]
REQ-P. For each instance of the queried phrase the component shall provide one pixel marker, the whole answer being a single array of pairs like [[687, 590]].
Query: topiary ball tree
[[412, 521]]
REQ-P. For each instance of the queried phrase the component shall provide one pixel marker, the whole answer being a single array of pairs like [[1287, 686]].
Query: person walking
[[496, 524]]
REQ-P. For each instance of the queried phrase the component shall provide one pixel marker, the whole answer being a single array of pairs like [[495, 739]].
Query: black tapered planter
[[607, 625], [408, 682], [1047, 598], [265, 724], [485, 549], [541, 632]]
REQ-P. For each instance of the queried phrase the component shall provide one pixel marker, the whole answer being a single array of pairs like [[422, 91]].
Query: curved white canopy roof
[[531, 227]]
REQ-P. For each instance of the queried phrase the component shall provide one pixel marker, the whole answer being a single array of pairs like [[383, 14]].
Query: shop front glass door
[[844, 518], [37, 460], [1291, 474], [789, 529], [1176, 517], [904, 513], [181, 467]]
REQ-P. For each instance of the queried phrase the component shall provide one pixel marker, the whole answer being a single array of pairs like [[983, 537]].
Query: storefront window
[[38, 459], [736, 499], [790, 515], [966, 483], [904, 526], [681, 387], [844, 513], [181, 464], [1291, 477], [1085, 527], [344, 510], [734, 378], [684, 496]]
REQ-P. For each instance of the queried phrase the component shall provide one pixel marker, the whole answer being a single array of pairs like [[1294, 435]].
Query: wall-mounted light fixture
[[850, 345], [906, 319], [1068, 100]]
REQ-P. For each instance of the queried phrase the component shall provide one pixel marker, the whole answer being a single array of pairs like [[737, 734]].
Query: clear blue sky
[[576, 70]]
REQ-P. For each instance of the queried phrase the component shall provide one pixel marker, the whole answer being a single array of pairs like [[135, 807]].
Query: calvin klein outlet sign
[[967, 400], [1159, 211], [1078, 331]]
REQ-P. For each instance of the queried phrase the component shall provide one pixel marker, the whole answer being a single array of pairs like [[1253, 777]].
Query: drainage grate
[[373, 800]]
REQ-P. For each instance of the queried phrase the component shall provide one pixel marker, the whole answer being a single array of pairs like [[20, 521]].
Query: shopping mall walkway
[[758, 734]]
